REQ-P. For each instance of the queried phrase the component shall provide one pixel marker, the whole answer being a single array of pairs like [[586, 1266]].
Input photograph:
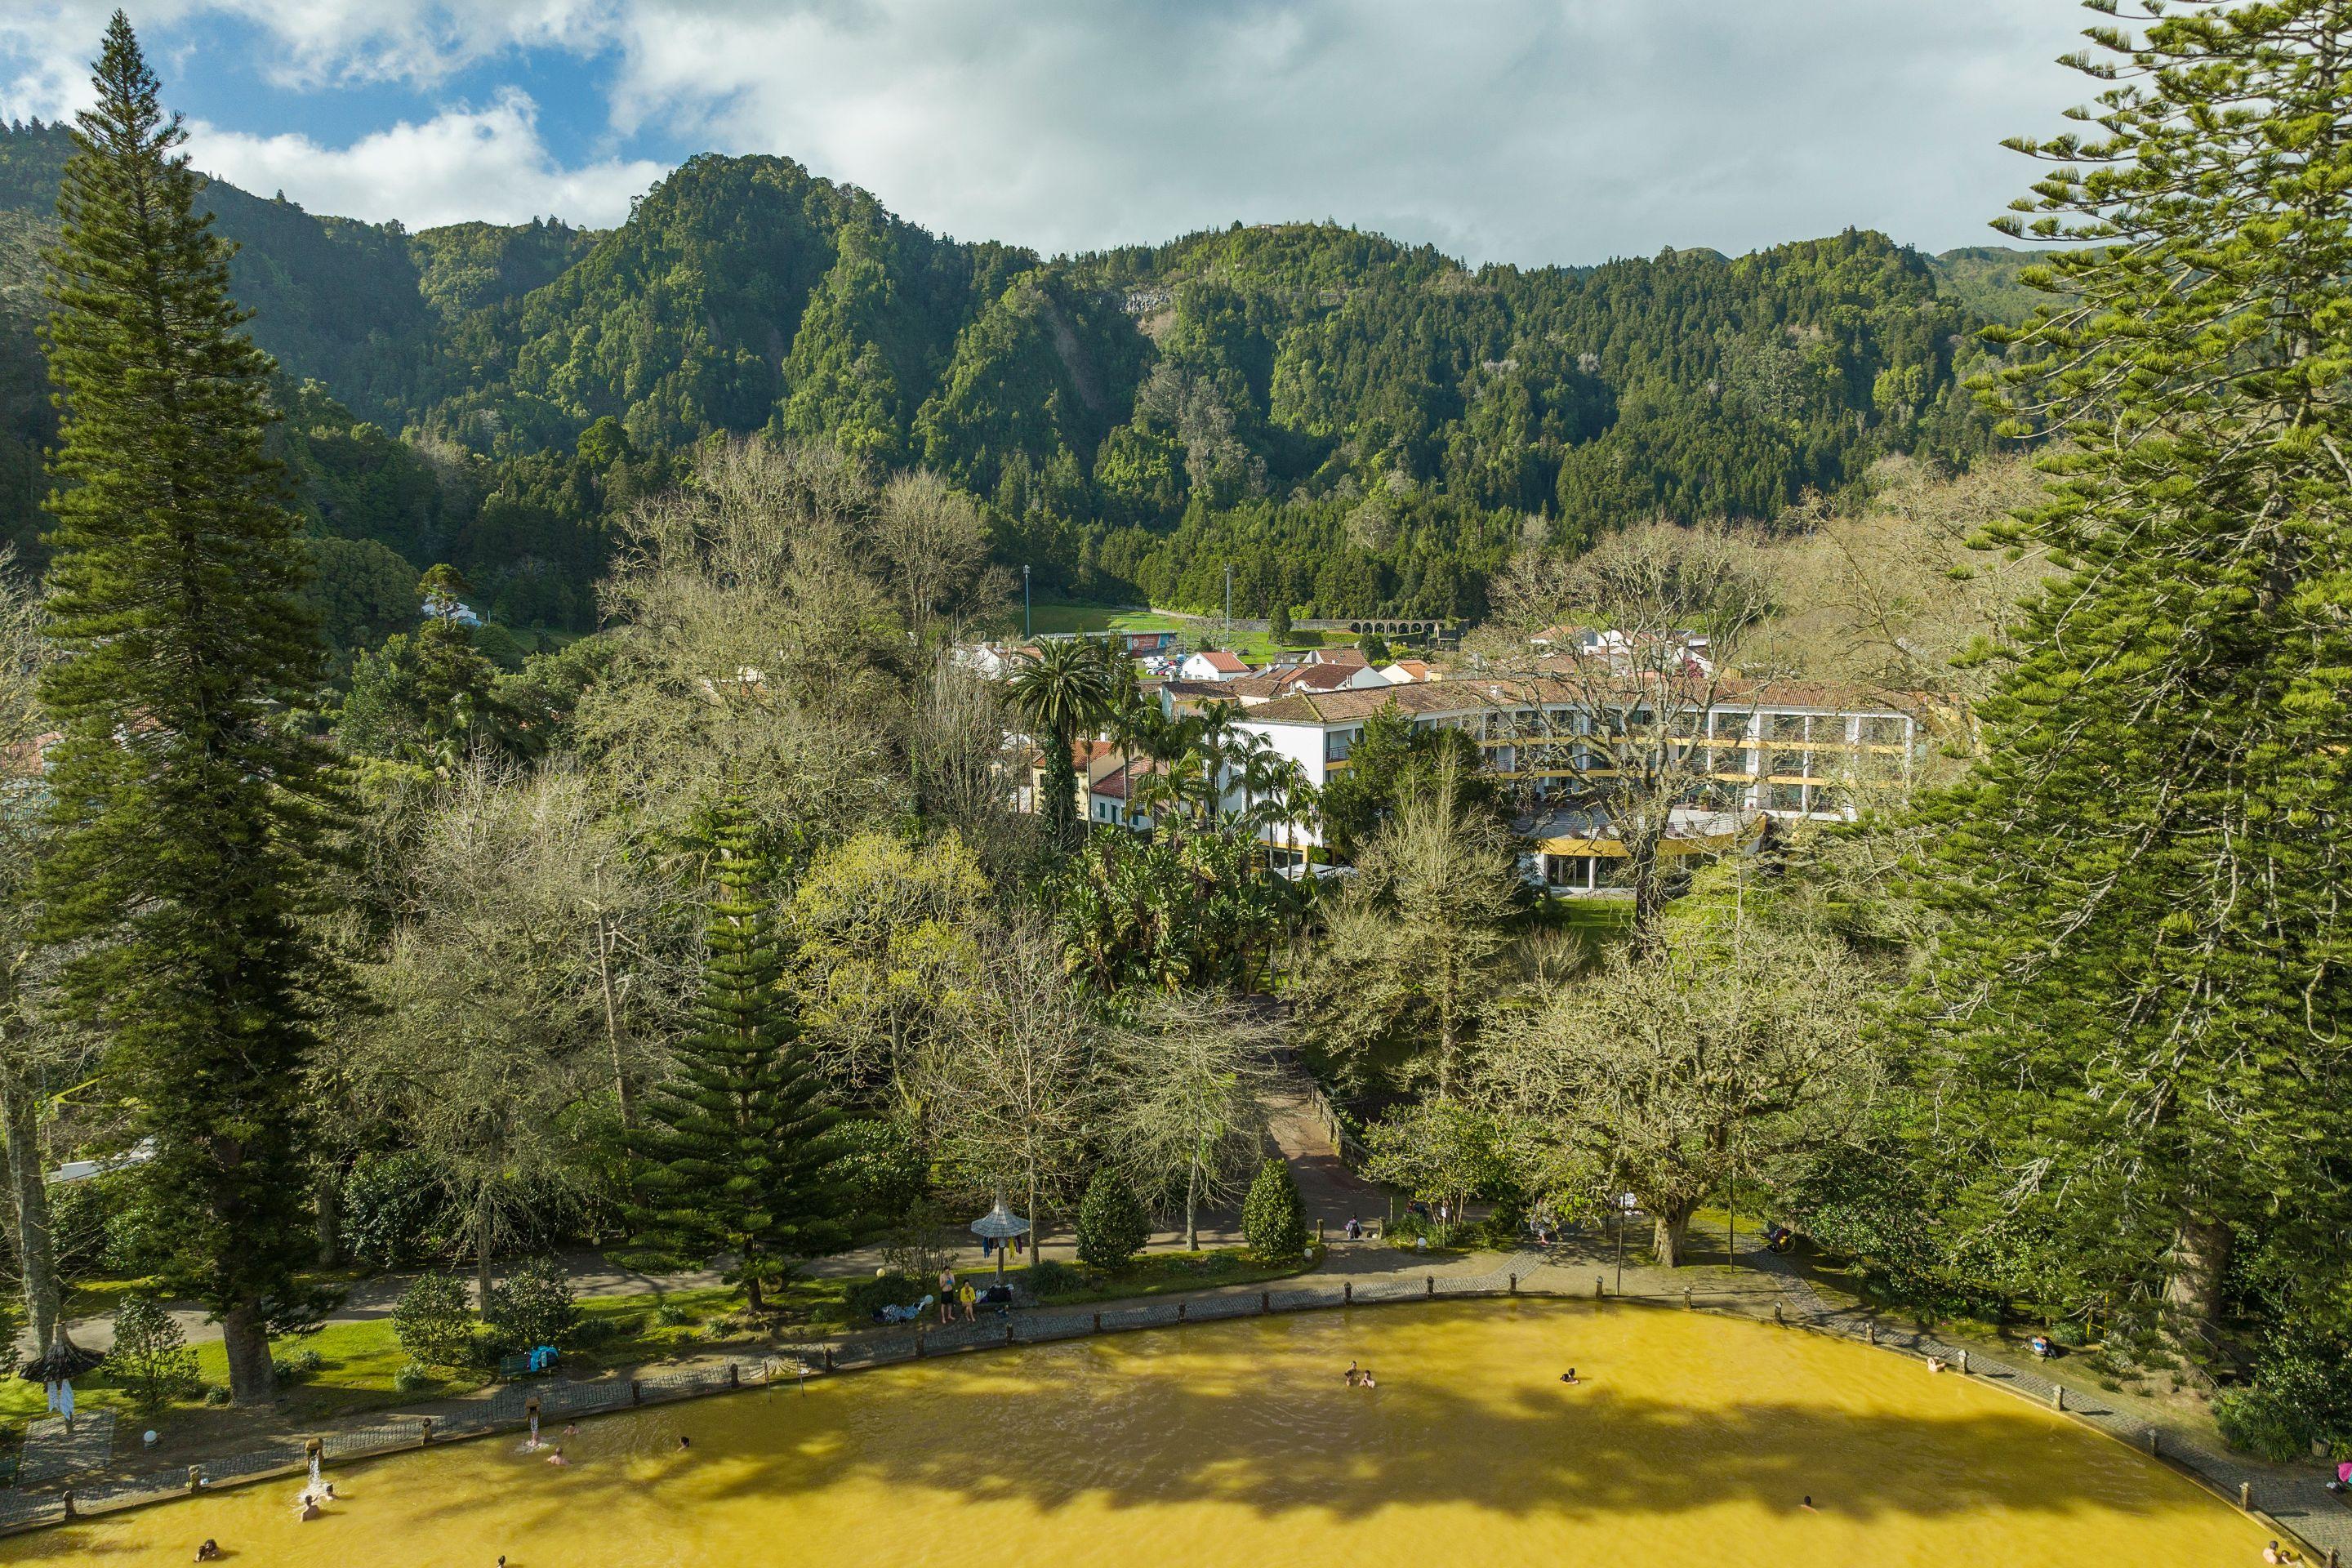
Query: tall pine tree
[[735, 1153], [187, 812], [2144, 1000]]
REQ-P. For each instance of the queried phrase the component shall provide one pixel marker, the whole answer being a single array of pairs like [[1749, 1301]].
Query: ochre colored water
[[1690, 1441]]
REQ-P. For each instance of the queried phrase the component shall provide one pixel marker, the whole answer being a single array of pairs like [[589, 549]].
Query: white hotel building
[[1774, 750]]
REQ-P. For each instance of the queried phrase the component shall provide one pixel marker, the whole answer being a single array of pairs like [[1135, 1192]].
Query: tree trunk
[[245, 1336], [2192, 1290], [1667, 1232], [327, 1204], [29, 1195], [613, 1023], [482, 1276], [1036, 1222], [1647, 870], [752, 1300], [1191, 1205]]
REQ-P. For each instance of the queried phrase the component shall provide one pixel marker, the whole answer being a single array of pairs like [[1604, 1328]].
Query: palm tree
[[1062, 692]]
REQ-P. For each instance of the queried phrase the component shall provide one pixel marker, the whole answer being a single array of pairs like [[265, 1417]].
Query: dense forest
[[1354, 425]]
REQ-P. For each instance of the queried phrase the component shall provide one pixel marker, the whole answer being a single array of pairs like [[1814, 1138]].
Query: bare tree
[[759, 647], [1673, 1072], [519, 986], [932, 549], [1190, 1080], [1639, 735], [1016, 1099]]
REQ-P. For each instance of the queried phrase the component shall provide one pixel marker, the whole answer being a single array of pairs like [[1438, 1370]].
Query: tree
[[38, 1056], [1017, 1099], [1112, 1226], [488, 1044], [1638, 729], [1062, 691], [886, 944], [433, 1322], [1385, 760], [736, 1155], [1273, 1218], [1730, 1051], [1277, 624], [1190, 1075], [2140, 1005], [532, 1306], [187, 817], [1441, 1151], [150, 1355], [1419, 947]]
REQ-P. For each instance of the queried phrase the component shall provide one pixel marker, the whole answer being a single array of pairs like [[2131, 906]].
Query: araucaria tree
[[187, 813], [736, 1155], [2143, 999]]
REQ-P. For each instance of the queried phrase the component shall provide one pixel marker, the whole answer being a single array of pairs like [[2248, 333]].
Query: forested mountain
[[1354, 425]]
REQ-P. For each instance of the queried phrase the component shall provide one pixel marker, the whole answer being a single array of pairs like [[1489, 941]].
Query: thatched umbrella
[[62, 1362]]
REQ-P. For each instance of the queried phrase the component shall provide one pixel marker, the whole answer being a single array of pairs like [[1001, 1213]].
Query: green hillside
[[1355, 425]]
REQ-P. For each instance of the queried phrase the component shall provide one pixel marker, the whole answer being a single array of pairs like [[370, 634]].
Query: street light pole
[[1620, 1207], [1025, 631]]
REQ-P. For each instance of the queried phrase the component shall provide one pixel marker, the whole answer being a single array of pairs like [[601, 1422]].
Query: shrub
[[870, 1295], [532, 1306], [413, 1378], [151, 1356], [285, 1369], [1112, 1226], [669, 1315], [1051, 1277], [1274, 1220], [2257, 1422], [590, 1332], [390, 1205], [434, 1322]]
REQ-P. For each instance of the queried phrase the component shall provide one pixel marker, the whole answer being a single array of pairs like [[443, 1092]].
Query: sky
[[1530, 132]]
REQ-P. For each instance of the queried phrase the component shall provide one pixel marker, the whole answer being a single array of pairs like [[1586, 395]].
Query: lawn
[[359, 1362], [1154, 1274], [1257, 647]]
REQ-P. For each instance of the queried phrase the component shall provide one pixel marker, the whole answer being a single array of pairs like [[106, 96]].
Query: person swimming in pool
[[557, 1458], [209, 1551], [1569, 1378]]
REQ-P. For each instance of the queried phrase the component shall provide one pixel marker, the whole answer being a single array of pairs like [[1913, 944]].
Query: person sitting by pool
[[209, 1551], [1569, 1378], [2042, 1347], [2275, 1554], [969, 1299], [557, 1458]]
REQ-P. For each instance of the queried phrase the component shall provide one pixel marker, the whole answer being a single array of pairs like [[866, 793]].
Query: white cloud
[[462, 163], [1518, 130], [1529, 130]]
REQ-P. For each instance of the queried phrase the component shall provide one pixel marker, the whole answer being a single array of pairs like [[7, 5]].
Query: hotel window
[[1784, 797], [1784, 726], [1881, 731]]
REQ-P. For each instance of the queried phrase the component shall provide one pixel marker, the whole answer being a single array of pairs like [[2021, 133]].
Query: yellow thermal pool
[[1690, 1439]]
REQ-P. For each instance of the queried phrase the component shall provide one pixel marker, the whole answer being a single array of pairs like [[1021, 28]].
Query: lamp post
[[1000, 1225], [1624, 1204], [1025, 632]]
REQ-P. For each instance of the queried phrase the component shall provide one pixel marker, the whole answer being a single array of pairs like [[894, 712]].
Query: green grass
[[360, 1361], [1257, 647], [1159, 1273], [1052, 619]]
